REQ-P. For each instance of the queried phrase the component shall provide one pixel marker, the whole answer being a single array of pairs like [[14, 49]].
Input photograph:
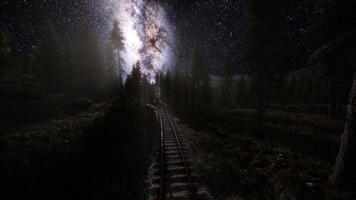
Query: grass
[[29, 150], [238, 163], [43, 137], [242, 167], [299, 123], [275, 132], [85, 156]]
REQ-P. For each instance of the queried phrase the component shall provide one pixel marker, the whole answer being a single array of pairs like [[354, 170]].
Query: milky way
[[152, 31], [148, 35]]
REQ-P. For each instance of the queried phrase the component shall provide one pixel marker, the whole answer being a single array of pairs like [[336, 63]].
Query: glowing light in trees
[[148, 35]]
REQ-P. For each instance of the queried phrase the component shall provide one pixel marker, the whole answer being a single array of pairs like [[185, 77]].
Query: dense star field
[[25, 18], [215, 25]]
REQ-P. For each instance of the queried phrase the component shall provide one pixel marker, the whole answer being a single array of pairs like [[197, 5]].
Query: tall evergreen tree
[[177, 88], [117, 40], [241, 92], [5, 48], [111, 69], [279, 90], [90, 70], [158, 86], [200, 88], [25, 63], [334, 35], [196, 69], [133, 85], [168, 86], [205, 98], [69, 60], [309, 90], [261, 46], [227, 85], [292, 90], [145, 89], [51, 68]]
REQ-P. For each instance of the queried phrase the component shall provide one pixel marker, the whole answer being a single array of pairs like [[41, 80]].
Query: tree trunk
[[121, 84], [332, 108], [345, 162], [332, 97], [262, 99], [260, 109]]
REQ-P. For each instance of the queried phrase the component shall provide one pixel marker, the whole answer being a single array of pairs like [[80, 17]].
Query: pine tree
[[292, 90], [241, 92], [261, 47], [90, 70], [168, 87], [335, 33], [157, 85], [5, 48], [25, 63], [69, 60], [133, 85], [309, 90], [200, 88], [227, 85], [111, 69], [51, 68], [177, 87], [117, 40], [145, 89], [205, 98], [196, 68], [280, 90]]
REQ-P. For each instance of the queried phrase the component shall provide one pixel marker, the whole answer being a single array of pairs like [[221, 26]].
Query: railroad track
[[173, 178]]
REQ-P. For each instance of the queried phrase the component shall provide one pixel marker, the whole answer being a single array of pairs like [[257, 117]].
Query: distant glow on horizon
[[148, 35]]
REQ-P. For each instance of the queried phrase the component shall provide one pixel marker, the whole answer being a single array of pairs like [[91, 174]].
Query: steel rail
[[162, 157], [190, 179]]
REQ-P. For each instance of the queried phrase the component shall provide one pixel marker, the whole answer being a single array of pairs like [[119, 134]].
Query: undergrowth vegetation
[[35, 138], [241, 167]]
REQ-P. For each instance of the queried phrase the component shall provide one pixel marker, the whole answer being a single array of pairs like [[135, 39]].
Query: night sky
[[25, 18], [214, 25]]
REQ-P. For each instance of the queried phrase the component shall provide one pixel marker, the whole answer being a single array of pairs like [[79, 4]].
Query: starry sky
[[25, 18], [211, 24], [214, 25]]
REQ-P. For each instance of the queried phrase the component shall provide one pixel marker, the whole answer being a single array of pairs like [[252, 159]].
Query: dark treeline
[[323, 78], [138, 88], [72, 89], [78, 64], [321, 84], [189, 90], [60, 64]]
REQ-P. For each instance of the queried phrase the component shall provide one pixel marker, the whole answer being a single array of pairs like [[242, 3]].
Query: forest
[[266, 113]]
